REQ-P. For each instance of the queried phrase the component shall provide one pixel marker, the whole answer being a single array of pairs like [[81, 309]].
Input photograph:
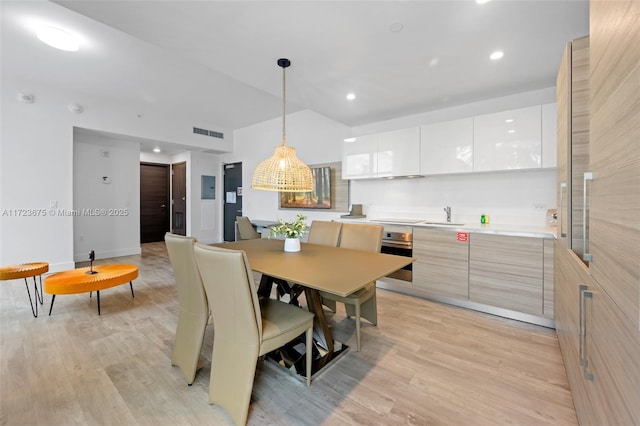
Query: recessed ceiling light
[[350, 140], [396, 27], [58, 38], [434, 61], [156, 150], [509, 120], [512, 131], [482, 1], [496, 55], [351, 96]]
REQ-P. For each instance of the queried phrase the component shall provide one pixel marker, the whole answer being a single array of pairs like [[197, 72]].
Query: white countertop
[[512, 230]]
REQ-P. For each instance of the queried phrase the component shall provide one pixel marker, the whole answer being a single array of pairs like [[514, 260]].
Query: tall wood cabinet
[[597, 265]]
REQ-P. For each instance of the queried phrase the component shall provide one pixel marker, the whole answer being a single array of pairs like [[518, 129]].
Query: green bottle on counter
[[484, 219]]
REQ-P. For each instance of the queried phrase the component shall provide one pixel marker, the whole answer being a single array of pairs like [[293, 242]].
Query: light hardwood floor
[[424, 364]]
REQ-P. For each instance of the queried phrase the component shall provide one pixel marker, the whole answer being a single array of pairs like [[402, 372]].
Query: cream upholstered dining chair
[[324, 233], [363, 302], [245, 327], [194, 312], [245, 229], [320, 232]]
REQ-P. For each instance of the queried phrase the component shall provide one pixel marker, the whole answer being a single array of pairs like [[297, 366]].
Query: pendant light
[[283, 172]]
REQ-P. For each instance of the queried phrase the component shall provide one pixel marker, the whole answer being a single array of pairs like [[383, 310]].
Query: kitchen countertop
[[511, 230]]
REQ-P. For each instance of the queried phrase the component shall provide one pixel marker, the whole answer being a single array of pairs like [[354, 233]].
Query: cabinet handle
[[585, 241], [563, 189], [581, 325], [586, 295]]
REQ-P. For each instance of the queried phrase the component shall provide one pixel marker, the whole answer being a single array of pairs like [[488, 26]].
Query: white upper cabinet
[[447, 147], [549, 135], [399, 153], [508, 140], [359, 158]]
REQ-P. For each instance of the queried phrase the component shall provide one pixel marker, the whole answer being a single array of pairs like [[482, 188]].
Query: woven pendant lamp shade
[[283, 172]]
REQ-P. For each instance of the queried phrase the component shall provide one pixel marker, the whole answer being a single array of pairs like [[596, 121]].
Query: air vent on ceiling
[[206, 132]]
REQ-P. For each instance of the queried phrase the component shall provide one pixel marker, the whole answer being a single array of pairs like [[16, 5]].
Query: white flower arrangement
[[293, 229]]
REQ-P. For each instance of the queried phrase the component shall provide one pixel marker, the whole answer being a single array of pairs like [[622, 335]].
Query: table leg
[[320, 325], [37, 296], [264, 289], [98, 293], [53, 298], [131, 285]]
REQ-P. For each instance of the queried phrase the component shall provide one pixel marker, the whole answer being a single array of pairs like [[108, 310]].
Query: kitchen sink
[[440, 223]]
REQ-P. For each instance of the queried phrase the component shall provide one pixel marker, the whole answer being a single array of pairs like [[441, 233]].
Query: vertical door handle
[[585, 239], [581, 320], [563, 189], [586, 295]]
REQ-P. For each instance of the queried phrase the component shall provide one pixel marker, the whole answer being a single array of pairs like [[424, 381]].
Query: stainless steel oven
[[399, 244]]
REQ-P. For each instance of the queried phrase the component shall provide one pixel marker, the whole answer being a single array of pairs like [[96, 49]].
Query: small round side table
[[26, 270]]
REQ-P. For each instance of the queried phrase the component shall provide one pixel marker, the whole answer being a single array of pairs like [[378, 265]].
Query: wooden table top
[[23, 270], [78, 281], [332, 269]]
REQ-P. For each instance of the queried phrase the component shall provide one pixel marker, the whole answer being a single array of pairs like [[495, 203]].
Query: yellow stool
[[26, 270], [82, 280]]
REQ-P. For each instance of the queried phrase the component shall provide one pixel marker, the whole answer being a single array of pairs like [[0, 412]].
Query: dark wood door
[[179, 192], [154, 202], [232, 198]]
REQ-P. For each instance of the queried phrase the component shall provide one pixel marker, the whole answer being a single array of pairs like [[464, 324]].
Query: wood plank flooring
[[424, 364]]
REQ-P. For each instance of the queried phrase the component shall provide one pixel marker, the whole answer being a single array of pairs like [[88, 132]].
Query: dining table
[[317, 268]]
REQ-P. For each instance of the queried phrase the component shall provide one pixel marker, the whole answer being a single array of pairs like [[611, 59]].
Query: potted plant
[[291, 231]]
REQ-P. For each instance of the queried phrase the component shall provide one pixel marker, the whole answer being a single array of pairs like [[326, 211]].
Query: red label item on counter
[[463, 236]]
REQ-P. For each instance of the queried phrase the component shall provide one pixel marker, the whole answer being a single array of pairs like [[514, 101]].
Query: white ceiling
[[216, 60]]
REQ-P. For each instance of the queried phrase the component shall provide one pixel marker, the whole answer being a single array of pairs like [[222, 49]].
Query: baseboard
[[107, 254]]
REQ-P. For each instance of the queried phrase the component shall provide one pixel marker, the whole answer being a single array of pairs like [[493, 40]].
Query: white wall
[[317, 139], [115, 230], [36, 161]]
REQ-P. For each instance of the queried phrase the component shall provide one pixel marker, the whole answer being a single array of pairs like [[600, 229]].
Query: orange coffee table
[[79, 281], [26, 270]]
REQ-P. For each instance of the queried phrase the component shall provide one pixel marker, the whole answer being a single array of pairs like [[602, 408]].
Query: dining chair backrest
[[366, 237], [324, 233], [193, 315], [245, 229], [191, 294], [234, 300]]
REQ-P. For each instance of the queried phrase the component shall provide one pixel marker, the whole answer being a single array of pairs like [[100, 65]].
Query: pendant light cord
[[284, 113]]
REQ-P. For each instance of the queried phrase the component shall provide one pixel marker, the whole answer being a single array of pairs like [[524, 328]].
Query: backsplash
[[509, 198]]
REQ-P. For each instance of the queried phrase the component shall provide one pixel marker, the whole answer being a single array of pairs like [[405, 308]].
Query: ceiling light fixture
[[283, 172], [496, 55], [58, 38], [156, 150], [482, 1], [351, 96]]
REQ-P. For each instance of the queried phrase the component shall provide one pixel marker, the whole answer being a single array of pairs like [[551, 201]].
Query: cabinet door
[[570, 274], [359, 158], [549, 135], [506, 272], [442, 262], [399, 153], [614, 194], [447, 147], [563, 123], [612, 348], [547, 286], [508, 140]]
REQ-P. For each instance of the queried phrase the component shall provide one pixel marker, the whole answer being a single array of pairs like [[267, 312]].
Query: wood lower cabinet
[[442, 265], [507, 272], [547, 274], [600, 347]]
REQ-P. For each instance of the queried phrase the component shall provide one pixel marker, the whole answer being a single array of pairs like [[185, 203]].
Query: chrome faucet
[[448, 211]]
